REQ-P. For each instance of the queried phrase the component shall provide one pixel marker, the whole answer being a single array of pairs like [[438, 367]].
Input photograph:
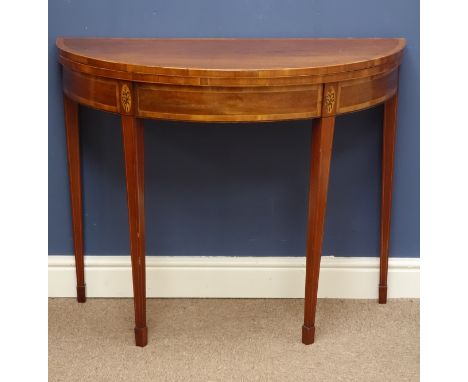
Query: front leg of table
[[388, 154], [321, 151], [74, 175], [133, 143]]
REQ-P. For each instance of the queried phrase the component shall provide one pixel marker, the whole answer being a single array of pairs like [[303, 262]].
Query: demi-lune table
[[229, 80]]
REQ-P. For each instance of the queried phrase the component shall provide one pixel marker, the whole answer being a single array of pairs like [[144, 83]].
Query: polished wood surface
[[74, 176], [388, 155], [133, 143], [230, 80], [366, 92], [228, 104], [321, 152], [267, 58], [98, 93]]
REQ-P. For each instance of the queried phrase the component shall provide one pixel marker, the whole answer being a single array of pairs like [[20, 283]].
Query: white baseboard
[[234, 277]]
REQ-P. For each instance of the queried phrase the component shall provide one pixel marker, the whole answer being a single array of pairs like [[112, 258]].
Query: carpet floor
[[234, 340]]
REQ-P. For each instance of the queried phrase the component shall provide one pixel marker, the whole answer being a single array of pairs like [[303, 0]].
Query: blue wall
[[237, 190]]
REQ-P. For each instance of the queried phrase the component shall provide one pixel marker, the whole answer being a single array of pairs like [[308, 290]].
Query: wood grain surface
[[232, 57]]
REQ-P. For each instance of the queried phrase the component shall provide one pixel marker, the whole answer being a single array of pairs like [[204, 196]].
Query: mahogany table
[[229, 80]]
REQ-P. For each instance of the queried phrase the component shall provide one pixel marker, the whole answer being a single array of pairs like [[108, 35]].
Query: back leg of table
[[321, 151], [133, 142], [388, 154], [74, 174]]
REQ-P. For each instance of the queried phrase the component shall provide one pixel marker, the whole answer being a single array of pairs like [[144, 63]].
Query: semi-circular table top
[[268, 58], [230, 79]]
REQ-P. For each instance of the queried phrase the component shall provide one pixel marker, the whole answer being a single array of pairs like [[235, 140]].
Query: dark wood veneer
[[99, 93], [74, 176], [133, 143], [191, 103]]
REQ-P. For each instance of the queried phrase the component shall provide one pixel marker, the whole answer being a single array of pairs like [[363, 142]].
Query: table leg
[[74, 175], [388, 154], [321, 151], [133, 143]]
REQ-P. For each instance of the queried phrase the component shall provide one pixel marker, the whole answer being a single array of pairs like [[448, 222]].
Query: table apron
[[228, 104]]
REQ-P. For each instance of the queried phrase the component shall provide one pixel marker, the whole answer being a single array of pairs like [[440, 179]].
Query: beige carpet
[[233, 340]]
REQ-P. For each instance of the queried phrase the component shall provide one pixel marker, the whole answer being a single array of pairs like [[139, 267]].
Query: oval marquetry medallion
[[330, 99], [126, 98]]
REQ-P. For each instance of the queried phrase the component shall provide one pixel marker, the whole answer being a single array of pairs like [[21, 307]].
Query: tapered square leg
[[321, 151], [388, 155], [133, 142], [74, 175]]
